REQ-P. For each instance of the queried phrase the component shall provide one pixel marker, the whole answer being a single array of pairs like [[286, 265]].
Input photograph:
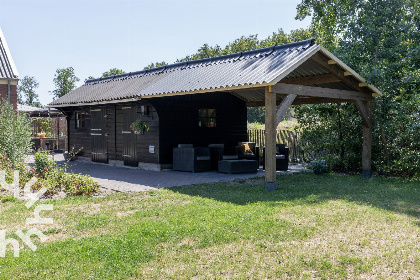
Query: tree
[[112, 72], [26, 92], [256, 115], [65, 81], [89, 78], [15, 135], [155, 65], [380, 40]]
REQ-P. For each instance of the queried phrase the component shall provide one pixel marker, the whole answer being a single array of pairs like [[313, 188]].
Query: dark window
[[207, 117], [80, 120]]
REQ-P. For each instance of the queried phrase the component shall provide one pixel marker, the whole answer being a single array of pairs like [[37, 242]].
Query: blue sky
[[94, 36]]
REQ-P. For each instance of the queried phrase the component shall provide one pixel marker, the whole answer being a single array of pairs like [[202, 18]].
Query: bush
[[15, 135], [44, 162], [24, 173], [57, 179]]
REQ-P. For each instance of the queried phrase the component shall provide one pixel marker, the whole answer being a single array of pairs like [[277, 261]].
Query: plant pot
[[41, 135], [318, 171], [318, 166]]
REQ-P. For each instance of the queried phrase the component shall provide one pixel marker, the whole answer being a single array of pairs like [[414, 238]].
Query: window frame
[[80, 120], [209, 116]]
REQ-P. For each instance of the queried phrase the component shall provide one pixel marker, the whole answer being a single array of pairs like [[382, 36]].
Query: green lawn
[[329, 226]]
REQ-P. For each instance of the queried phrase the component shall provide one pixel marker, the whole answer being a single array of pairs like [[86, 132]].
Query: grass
[[325, 227]]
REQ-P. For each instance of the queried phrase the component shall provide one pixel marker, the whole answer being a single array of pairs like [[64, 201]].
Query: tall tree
[[26, 92], [380, 40], [65, 81], [112, 72]]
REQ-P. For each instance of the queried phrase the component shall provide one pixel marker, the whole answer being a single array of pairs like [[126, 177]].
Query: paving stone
[[125, 179]]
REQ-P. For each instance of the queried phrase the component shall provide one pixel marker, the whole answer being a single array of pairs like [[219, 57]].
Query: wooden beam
[[312, 80], [319, 92], [367, 143], [270, 139], [362, 85], [319, 100], [331, 61], [300, 101], [363, 112], [284, 105], [347, 73], [336, 70]]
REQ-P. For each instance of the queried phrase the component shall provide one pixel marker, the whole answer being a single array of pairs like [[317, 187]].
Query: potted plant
[[318, 166], [41, 135], [139, 126]]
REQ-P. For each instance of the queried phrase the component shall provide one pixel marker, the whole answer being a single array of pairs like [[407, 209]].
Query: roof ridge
[[271, 49]]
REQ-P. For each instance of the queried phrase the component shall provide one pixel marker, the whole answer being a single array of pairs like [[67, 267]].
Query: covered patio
[[313, 76]]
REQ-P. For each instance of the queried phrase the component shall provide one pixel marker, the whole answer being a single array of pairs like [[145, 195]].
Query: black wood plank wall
[[178, 124], [172, 120]]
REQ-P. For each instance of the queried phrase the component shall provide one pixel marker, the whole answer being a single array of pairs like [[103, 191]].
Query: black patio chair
[[282, 157], [249, 150], [188, 158]]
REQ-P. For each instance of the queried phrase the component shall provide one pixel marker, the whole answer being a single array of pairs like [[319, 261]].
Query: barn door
[[98, 135], [129, 137]]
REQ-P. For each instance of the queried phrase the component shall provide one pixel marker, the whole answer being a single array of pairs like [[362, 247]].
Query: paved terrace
[[127, 179]]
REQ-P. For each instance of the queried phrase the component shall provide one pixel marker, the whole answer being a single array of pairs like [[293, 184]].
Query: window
[[207, 117], [80, 120]]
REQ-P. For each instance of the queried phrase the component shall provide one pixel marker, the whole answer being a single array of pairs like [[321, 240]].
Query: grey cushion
[[216, 145], [229, 157], [203, 158], [185, 145], [280, 156]]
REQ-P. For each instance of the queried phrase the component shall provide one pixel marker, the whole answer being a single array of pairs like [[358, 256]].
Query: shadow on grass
[[393, 194]]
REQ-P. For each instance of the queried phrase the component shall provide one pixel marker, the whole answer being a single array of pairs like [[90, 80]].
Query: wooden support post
[[363, 112], [270, 139], [284, 105], [367, 142]]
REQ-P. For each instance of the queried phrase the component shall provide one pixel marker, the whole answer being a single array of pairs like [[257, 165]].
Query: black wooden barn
[[104, 130], [205, 102]]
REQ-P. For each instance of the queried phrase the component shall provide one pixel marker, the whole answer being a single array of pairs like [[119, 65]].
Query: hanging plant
[[139, 126]]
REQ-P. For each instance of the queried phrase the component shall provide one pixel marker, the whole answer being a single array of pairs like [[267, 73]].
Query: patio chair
[[219, 152], [249, 150], [282, 157], [188, 158]]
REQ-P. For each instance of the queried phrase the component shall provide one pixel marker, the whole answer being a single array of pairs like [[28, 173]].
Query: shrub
[[44, 162], [24, 173], [78, 184], [15, 135]]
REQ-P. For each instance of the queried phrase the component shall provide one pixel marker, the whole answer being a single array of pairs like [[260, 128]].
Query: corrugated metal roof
[[251, 68], [235, 72], [7, 66]]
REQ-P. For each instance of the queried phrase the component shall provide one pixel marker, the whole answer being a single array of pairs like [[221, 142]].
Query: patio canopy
[[38, 112], [274, 77]]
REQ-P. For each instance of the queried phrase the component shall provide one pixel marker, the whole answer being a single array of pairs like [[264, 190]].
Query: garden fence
[[287, 137]]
